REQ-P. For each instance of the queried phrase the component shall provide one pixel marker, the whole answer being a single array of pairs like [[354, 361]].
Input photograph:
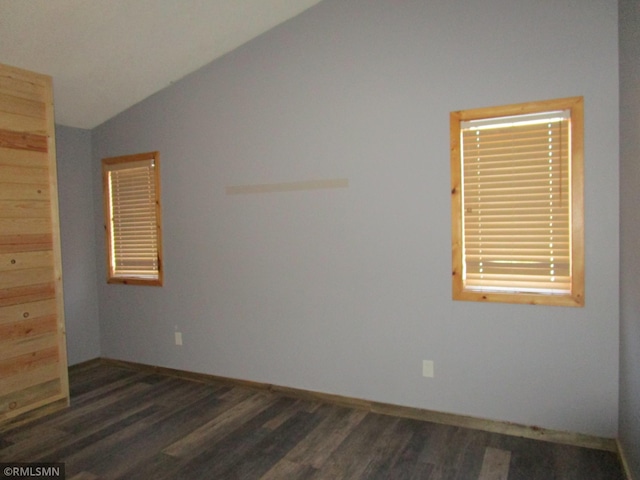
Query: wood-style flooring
[[130, 424]]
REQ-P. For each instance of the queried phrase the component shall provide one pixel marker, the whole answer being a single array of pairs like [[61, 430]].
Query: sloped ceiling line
[[107, 55]]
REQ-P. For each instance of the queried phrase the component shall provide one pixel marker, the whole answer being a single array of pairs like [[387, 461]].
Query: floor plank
[[495, 464], [328, 435]]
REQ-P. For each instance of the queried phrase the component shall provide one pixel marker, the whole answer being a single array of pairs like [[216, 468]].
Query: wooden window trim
[[115, 163], [576, 295]]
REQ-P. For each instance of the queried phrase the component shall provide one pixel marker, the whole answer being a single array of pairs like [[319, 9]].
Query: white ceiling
[[106, 55]]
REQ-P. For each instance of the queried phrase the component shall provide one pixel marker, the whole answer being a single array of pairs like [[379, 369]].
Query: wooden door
[[33, 360]]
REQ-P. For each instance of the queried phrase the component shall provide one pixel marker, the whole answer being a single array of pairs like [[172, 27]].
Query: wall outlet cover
[[427, 368]]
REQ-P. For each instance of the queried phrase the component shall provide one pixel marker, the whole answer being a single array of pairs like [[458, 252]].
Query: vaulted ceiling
[[106, 55]]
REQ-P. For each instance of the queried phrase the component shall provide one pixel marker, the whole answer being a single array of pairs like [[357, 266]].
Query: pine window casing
[[517, 203], [132, 212]]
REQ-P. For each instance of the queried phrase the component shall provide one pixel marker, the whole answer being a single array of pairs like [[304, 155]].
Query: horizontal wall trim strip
[[288, 186], [493, 426]]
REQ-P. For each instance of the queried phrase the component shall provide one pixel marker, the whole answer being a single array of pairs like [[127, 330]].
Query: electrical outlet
[[427, 368], [178, 338]]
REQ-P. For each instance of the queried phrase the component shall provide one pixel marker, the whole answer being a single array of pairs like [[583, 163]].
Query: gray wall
[[630, 232], [347, 291], [77, 223]]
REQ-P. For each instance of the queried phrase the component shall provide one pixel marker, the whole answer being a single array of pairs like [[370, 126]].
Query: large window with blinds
[[131, 190], [517, 203]]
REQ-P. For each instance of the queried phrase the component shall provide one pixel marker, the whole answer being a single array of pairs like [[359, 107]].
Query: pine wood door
[[33, 361]]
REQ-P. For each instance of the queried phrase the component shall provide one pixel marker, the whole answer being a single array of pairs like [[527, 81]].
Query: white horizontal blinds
[[516, 204], [134, 234]]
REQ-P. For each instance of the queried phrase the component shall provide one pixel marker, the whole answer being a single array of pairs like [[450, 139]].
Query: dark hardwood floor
[[131, 424]]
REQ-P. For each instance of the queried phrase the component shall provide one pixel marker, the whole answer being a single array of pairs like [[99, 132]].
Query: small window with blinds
[[131, 189], [517, 203]]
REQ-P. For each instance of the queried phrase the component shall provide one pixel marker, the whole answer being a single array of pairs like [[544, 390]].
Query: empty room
[[320, 238]]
